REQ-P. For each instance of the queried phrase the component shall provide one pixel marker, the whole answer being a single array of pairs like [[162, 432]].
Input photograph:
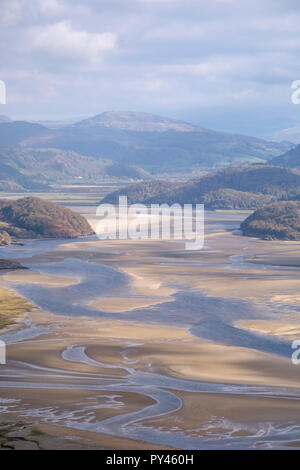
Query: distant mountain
[[55, 165], [290, 134], [139, 122], [281, 183], [23, 133], [56, 124], [245, 187], [162, 145], [141, 192], [13, 180], [152, 143], [32, 217], [121, 171], [290, 158], [276, 221]]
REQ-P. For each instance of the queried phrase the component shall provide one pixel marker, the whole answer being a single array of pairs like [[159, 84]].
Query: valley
[[120, 146], [132, 343]]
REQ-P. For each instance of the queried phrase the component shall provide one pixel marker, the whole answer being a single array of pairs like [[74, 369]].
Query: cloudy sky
[[223, 64]]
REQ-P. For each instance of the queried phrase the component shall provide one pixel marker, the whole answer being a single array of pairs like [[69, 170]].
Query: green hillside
[[32, 217], [246, 187], [289, 159], [276, 221]]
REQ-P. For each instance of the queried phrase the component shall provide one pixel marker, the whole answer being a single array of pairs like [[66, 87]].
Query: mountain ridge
[[289, 159], [152, 143], [233, 187], [137, 121]]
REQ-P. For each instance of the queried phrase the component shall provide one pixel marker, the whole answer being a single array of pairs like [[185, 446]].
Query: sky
[[221, 64]]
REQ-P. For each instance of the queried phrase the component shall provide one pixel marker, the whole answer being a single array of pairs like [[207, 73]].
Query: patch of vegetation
[[245, 187], [32, 217], [21, 167], [237, 200], [12, 179], [5, 238], [37, 432], [280, 221], [140, 192], [290, 158], [11, 305]]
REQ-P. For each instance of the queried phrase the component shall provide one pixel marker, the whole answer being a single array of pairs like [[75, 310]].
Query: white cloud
[[62, 41], [50, 6], [207, 68], [11, 11], [157, 55]]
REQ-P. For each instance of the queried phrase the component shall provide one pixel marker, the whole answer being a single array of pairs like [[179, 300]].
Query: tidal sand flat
[[147, 345], [125, 304]]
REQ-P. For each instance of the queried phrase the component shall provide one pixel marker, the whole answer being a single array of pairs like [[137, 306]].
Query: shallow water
[[207, 317], [155, 386]]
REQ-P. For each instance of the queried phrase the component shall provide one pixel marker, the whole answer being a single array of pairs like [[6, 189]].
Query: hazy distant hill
[[121, 171], [155, 144], [55, 165], [12, 179], [133, 121], [32, 217], [290, 158], [160, 144], [291, 134], [275, 221], [22, 133], [235, 187], [268, 180]]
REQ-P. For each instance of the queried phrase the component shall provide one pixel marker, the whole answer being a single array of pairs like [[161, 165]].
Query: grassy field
[[79, 195], [11, 305]]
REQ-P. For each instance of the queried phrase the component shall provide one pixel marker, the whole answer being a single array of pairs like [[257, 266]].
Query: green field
[[69, 195]]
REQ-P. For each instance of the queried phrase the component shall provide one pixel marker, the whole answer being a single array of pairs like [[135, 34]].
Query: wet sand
[[125, 304], [280, 328], [153, 373], [33, 277]]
